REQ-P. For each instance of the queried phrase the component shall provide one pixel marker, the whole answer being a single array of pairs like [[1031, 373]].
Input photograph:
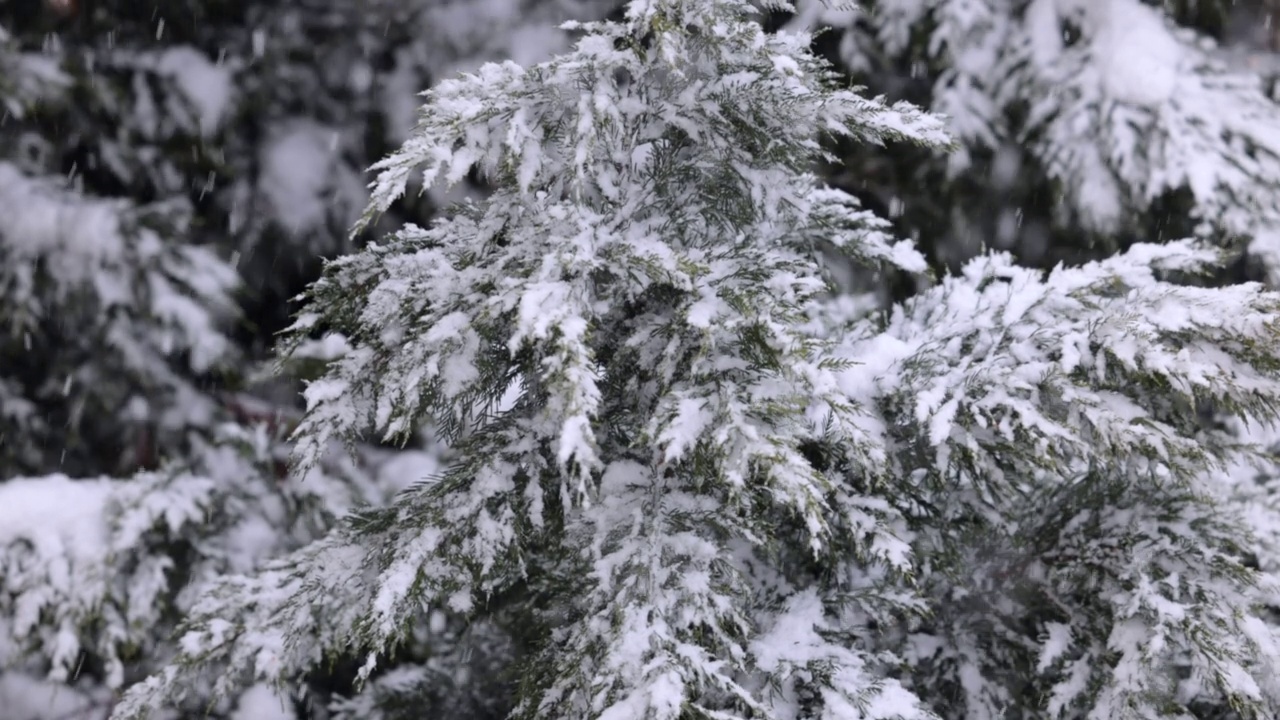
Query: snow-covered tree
[[167, 173], [111, 319], [95, 572], [1087, 126], [686, 482], [115, 331], [321, 90], [1080, 122]]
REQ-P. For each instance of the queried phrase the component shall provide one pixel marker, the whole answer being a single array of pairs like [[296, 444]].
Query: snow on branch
[[1053, 442], [1119, 105], [90, 568]]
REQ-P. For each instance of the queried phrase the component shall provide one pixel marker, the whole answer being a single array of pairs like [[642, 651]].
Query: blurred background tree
[[1085, 125]]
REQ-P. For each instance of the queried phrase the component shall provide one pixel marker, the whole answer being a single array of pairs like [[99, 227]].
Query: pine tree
[[1083, 125], [1042, 95], [110, 324], [115, 340], [324, 88], [686, 482], [155, 160]]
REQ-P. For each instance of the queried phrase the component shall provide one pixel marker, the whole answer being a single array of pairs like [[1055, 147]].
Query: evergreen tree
[[1083, 125], [112, 321], [323, 89], [1162, 111], [169, 175], [686, 482], [115, 342]]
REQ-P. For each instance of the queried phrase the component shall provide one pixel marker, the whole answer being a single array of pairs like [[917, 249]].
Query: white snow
[[298, 165], [23, 697], [407, 468], [59, 516], [53, 548], [329, 347], [207, 86], [262, 702], [1138, 58], [76, 239], [686, 428], [1056, 643], [510, 396]]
